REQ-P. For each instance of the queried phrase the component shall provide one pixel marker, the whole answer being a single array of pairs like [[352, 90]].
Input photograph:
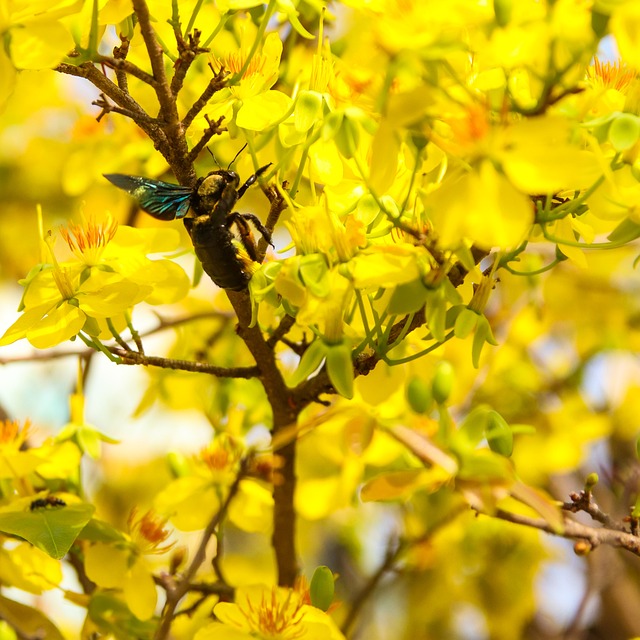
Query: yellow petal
[[41, 45], [262, 111], [139, 591], [58, 326], [251, 509], [106, 565]]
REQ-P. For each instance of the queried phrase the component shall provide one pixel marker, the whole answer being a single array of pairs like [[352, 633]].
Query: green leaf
[[50, 529], [113, 616], [322, 588], [28, 622], [624, 131], [99, 531]]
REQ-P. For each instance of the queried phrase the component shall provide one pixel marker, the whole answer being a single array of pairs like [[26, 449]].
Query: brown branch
[[583, 501], [187, 54], [133, 357], [213, 129], [177, 590], [106, 107], [392, 555], [285, 415], [215, 84], [280, 331], [123, 67], [88, 71], [120, 53], [572, 530], [175, 148]]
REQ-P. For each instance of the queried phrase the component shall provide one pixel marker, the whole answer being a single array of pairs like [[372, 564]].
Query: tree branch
[[175, 150], [593, 536], [213, 129], [133, 357], [215, 84], [176, 591]]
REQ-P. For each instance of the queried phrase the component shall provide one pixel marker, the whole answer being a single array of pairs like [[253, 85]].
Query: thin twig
[[593, 536], [187, 54], [176, 592], [133, 357], [120, 53], [281, 330], [122, 67], [213, 129], [583, 501], [215, 84]]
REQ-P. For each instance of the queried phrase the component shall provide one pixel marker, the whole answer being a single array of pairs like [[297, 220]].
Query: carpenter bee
[[49, 501], [207, 211]]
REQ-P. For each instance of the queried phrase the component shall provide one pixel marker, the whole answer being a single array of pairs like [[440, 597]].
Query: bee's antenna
[[214, 158], [236, 156]]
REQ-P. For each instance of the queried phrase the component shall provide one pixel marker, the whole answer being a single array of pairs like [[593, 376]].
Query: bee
[[208, 215], [49, 501]]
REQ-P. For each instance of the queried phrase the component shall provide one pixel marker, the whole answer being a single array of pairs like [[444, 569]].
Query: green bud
[[348, 138], [178, 464], [443, 380], [591, 481], [308, 110], [408, 298], [322, 588], [419, 395], [502, 10], [314, 273], [624, 131], [340, 368], [332, 125], [499, 435]]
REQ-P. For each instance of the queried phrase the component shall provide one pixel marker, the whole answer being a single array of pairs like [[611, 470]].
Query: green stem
[[535, 272], [194, 15], [567, 207], [134, 333], [165, 49], [403, 333], [118, 338], [96, 345], [415, 356], [256, 43], [216, 31]]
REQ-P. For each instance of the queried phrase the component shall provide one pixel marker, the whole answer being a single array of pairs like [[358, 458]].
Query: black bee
[[225, 258], [49, 501]]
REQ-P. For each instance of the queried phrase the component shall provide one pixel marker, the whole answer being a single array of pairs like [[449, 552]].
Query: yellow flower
[[38, 39], [109, 275], [122, 565], [255, 105], [269, 613]]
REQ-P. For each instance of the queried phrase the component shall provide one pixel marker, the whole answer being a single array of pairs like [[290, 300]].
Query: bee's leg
[[188, 223], [264, 232], [252, 179], [244, 230]]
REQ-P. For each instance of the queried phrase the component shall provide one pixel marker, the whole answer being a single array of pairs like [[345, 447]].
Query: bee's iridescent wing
[[162, 200]]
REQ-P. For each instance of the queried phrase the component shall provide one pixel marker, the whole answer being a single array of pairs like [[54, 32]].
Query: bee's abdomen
[[215, 248]]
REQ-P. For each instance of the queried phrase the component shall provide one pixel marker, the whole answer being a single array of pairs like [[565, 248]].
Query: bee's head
[[213, 184]]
